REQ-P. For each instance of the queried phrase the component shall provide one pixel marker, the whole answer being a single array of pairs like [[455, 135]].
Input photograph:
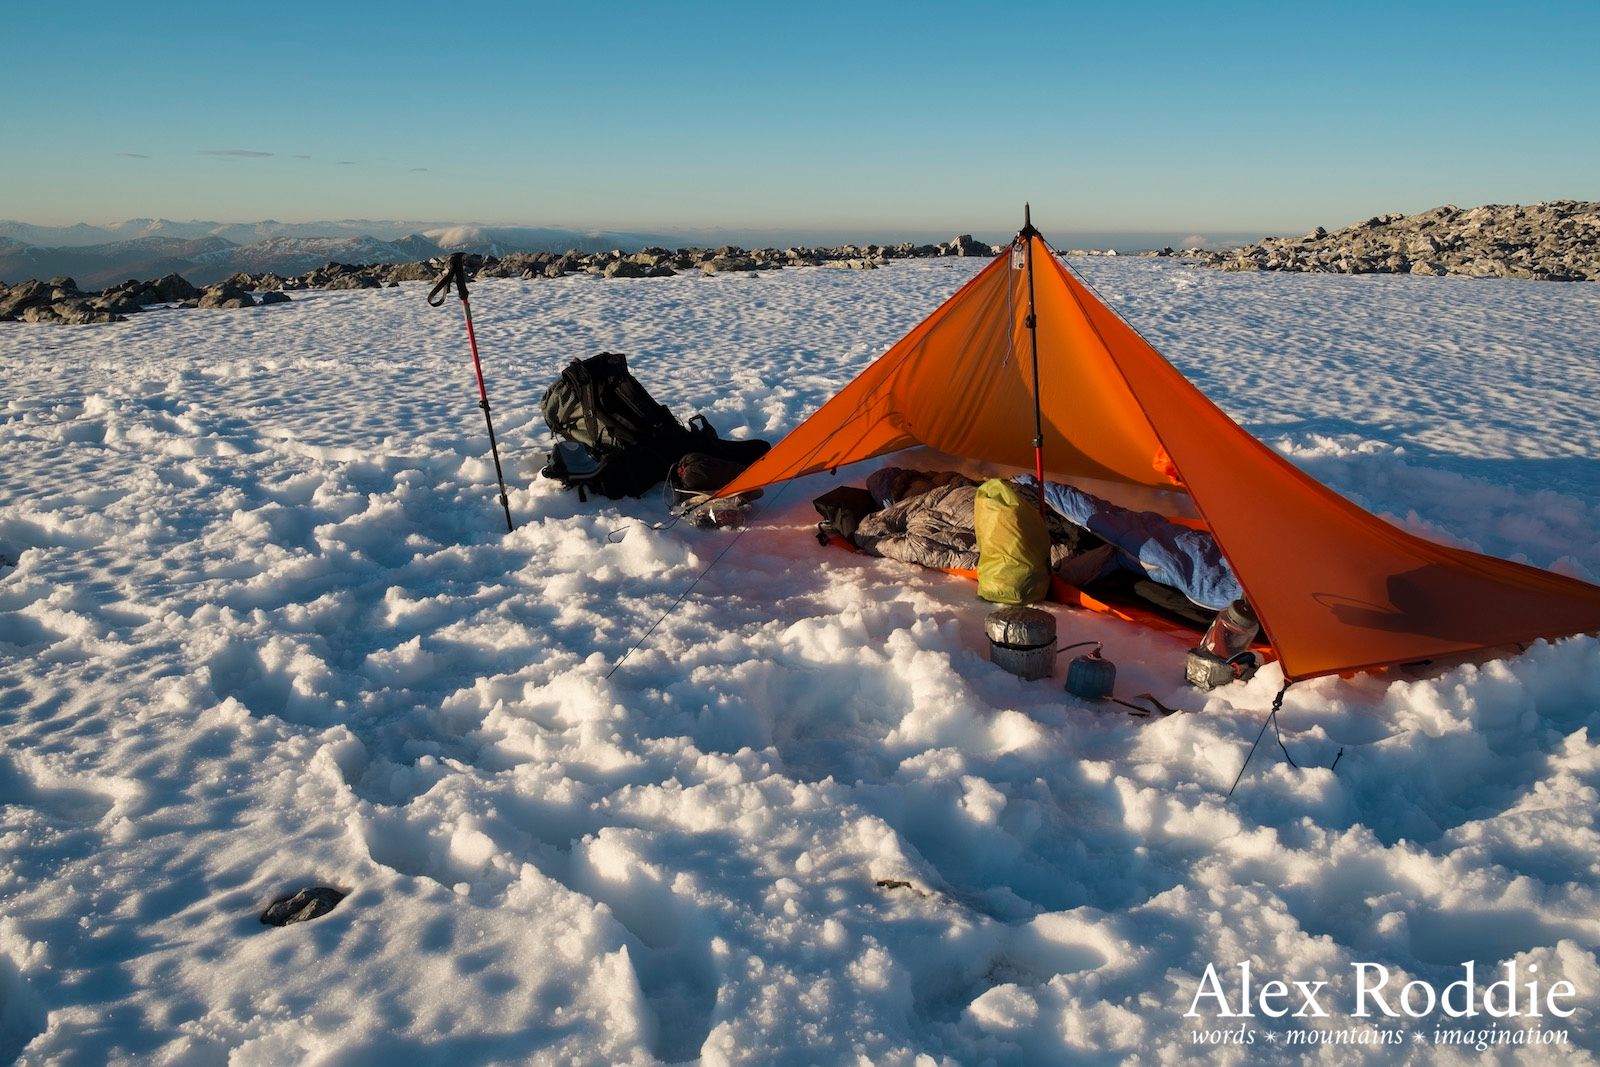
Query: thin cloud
[[133, 155], [345, 163], [301, 157], [416, 170], [235, 153]]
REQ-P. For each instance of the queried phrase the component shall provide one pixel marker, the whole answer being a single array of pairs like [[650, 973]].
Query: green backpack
[[1013, 546]]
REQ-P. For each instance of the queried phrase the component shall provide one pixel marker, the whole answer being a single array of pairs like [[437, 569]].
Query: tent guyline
[[676, 603], [1272, 720]]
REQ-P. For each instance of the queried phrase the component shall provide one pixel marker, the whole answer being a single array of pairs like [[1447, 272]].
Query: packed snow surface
[[265, 631]]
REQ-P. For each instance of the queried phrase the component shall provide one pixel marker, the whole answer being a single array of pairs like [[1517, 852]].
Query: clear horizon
[[388, 229], [915, 118]]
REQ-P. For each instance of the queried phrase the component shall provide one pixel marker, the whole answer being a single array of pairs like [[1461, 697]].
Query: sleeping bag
[[1151, 544]]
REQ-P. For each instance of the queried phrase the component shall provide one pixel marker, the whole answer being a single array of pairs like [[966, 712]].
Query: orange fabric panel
[[962, 382], [1089, 410], [1336, 589], [880, 411]]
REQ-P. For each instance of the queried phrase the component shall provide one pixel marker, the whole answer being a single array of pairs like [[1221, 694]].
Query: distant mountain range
[[205, 252], [243, 233]]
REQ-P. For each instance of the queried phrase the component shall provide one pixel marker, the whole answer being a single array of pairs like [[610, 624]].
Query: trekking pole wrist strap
[[455, 273]]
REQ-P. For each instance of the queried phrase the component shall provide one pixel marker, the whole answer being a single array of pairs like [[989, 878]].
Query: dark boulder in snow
[[412, 272], [168, 289], [25, 295], [173, 287], [272, 296], [358, 280], [68, 313], [626, 268], [118, 303], [226, 296], [83, 313], [964, 245], [720, 264], [310, 903]]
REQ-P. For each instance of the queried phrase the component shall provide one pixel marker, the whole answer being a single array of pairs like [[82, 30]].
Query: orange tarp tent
[[1336, 588]]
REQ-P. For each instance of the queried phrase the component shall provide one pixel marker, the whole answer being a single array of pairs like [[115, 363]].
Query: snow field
[[264, 630]]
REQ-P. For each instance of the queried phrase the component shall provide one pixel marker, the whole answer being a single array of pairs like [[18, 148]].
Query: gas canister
[[1091, 676]]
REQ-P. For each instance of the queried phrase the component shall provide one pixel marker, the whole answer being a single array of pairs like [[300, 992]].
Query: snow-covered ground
[[265, 630]]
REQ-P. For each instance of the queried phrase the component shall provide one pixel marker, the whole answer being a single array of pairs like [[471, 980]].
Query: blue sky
[[878, 117]]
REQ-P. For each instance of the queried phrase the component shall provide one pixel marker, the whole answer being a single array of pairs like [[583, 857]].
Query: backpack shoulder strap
[[584, 387]]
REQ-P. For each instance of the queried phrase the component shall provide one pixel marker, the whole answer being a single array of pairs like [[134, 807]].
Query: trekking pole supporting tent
[[456, 274], [1026, 236]]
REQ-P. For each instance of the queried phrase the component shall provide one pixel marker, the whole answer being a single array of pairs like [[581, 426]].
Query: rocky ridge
[[1554, 241], [59, 300]]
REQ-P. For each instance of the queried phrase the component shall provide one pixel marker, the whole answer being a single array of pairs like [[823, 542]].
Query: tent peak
[[1027, 223]]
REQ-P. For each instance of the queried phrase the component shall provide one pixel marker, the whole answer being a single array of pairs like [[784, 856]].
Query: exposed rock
[[1557, 241], [223, 295], [272, 296], [411, 272], [325, 276], [117, 303], [652, 257], [68, 313], [726, 262], [653, 262], [310, 903], [626, 268], [255, 282], [964, 245], [171, 288], [24, 295], [82, 313], [358, 280]]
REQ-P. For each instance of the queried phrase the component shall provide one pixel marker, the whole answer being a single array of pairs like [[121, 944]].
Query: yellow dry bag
[[1013, 546]]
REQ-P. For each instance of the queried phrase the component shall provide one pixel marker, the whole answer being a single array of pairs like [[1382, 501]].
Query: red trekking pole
[[456, 274]]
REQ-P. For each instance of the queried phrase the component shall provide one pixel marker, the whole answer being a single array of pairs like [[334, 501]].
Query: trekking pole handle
[[455, 273]]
